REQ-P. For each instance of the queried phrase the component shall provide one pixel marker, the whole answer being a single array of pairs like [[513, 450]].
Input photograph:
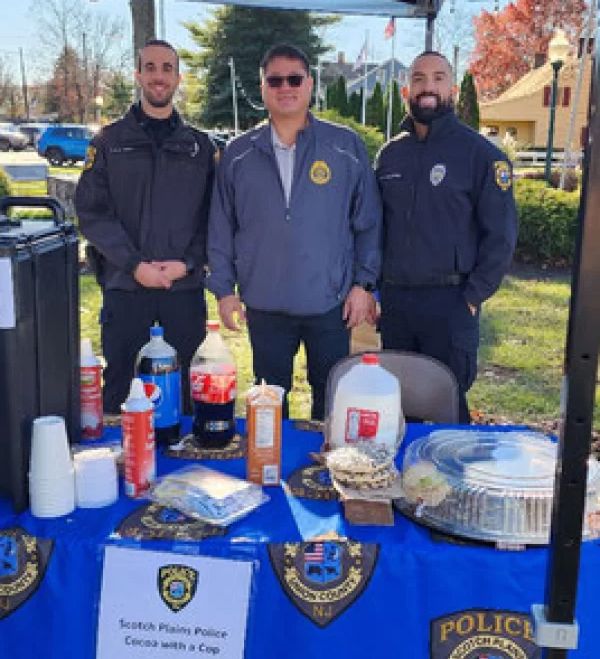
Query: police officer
[[142, 202], [450, 226], [295, 224]]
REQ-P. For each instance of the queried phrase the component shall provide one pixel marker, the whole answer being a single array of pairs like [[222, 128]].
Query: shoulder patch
[[90, 157], [23, 562], [323, 577], [503, 174]]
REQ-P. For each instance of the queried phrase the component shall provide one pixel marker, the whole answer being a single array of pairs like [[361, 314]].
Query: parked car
[[64, 143], [12, 138], [33, 131]]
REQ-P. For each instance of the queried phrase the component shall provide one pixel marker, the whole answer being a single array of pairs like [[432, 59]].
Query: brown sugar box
[[263, 421]]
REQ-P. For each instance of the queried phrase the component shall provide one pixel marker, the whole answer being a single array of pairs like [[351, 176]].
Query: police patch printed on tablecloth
[[323, 577], [312, 482], [320, 172], [503, 174], [90, 157], [177, 585], [155, 522], [483, 634], [23, 562], [437, 174]]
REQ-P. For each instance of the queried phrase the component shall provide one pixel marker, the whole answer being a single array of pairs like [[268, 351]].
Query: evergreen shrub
[[372, 137], [4, 184], [547, 223]]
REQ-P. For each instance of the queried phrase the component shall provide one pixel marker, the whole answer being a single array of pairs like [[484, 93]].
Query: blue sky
[[17, 30]]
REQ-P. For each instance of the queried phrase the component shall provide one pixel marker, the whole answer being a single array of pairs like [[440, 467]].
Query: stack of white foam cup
[[96, 483], [51, 473]]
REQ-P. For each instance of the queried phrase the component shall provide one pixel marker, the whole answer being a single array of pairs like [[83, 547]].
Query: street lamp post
[[557, 51]]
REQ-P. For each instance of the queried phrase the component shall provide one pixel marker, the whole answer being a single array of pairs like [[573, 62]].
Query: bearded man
[[142, 202], [450, 226]]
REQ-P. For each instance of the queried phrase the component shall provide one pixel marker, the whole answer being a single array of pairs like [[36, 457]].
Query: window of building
[[547, 95], [566, 97]]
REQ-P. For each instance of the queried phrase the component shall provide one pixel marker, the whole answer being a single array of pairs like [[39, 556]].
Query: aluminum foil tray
[[488, 485]]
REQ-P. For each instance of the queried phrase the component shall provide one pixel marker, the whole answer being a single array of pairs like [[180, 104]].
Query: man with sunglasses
[[295, 225], [450, 226]]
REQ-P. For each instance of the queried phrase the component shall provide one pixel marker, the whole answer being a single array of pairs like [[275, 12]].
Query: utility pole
[[24, 84], [234, 95], [390, 113]]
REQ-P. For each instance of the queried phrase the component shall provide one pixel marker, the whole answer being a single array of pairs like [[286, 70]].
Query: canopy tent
[[583, 339], [399, 8]]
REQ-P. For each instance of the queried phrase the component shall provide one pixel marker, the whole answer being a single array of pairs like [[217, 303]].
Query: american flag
[[390, 28], [314, 552]]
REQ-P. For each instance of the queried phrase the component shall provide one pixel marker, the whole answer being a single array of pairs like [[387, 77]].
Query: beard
[[427, 115], [158, 102]]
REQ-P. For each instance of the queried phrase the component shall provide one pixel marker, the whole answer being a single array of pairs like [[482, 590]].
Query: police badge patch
[[503, 174], [90, 157], [177, 585], [312, 482], [320, 172], [483, 633], [23, 563], [153, 521], [437, 174], [323, 577]]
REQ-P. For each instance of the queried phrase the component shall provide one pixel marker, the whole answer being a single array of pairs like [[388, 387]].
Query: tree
[[243, 35], [468, 107], [118, 95], [507, 42], [375, 111], [355, 105], [87, 46], [398, 109], [143, 21], [338, 99], [8, 91]]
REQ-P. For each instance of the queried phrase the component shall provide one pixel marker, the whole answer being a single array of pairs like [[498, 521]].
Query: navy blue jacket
[[137, 201], [448, 208], [301, 258]]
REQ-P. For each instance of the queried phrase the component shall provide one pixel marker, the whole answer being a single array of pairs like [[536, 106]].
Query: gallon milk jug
[[213, 390], [366, 406], [158, 368]]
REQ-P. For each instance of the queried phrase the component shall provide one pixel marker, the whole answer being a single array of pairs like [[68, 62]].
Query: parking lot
[[27, 157]]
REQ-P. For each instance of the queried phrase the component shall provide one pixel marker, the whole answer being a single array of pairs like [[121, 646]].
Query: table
[[417, 578]]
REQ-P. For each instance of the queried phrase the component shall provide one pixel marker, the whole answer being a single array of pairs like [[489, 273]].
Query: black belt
[[455, 279]]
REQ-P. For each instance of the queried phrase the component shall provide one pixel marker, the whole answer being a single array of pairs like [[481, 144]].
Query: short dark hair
[[156, 42], [285, 50], [434, 53]]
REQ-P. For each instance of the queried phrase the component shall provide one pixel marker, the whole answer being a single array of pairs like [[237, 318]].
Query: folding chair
[[428, 388]]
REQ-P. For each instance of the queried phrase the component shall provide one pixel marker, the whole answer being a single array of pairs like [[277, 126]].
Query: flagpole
[[365, 74], [391, 83]]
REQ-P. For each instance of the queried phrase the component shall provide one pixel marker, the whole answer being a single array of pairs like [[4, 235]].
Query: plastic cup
[[52, 497], [50, 453], [96, 483]]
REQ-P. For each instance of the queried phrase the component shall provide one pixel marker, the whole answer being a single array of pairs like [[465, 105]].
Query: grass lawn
[[523, 333]]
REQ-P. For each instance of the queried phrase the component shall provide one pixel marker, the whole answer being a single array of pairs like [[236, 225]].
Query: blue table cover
[[418, 577]]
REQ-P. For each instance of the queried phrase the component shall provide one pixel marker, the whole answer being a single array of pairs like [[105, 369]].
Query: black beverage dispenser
[[39, 334]]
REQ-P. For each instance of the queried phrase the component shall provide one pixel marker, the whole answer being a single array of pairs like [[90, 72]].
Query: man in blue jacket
[[450, 226], [295, 226]]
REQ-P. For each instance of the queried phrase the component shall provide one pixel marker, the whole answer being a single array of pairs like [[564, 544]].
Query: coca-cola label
[[361, 424], [216, 386]]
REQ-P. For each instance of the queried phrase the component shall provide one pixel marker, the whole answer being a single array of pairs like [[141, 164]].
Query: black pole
[[550, 145], [581, 365]]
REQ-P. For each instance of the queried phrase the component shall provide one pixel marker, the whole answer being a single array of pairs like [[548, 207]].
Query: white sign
[[159, 604], [7, 295]]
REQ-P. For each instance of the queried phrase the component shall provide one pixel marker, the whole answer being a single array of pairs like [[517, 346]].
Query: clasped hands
[[159, 274]]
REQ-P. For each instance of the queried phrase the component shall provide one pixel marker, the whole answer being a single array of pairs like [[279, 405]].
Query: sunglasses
[[293, 80]]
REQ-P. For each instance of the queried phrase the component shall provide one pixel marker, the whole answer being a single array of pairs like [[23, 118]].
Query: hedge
[[4, 184], [372, 137], [547, 223]]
